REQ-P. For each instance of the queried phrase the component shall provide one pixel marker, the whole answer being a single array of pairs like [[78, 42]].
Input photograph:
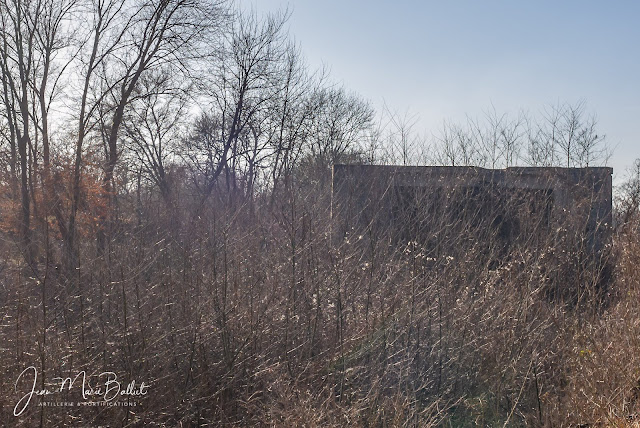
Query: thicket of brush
[[255, 313], [166, 216]]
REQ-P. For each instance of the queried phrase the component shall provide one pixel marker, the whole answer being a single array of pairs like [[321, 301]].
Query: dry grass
[[263, 317]]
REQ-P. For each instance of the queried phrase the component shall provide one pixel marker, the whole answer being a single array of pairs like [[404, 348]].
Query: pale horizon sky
[[444, 60]]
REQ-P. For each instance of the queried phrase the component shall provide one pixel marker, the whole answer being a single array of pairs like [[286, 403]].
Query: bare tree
[[500, 137], [153, 127], [566, 136], [19, 56], [628, 200], [401, 139], [561, 136], [244, 79], [290, 116], [339, 128], [457, 146]]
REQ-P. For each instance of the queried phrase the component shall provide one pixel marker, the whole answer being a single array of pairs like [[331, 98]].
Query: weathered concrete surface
[[579, 200]]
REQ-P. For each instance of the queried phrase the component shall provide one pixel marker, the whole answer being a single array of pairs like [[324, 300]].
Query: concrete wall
[[579, 199]]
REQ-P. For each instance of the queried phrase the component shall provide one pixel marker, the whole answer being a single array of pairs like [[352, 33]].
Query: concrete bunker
[[500, 212]]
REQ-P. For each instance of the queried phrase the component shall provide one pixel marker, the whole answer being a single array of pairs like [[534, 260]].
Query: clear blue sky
[[447, 59]]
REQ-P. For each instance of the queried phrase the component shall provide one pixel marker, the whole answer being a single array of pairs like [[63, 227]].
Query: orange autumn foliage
[[52, 201]]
